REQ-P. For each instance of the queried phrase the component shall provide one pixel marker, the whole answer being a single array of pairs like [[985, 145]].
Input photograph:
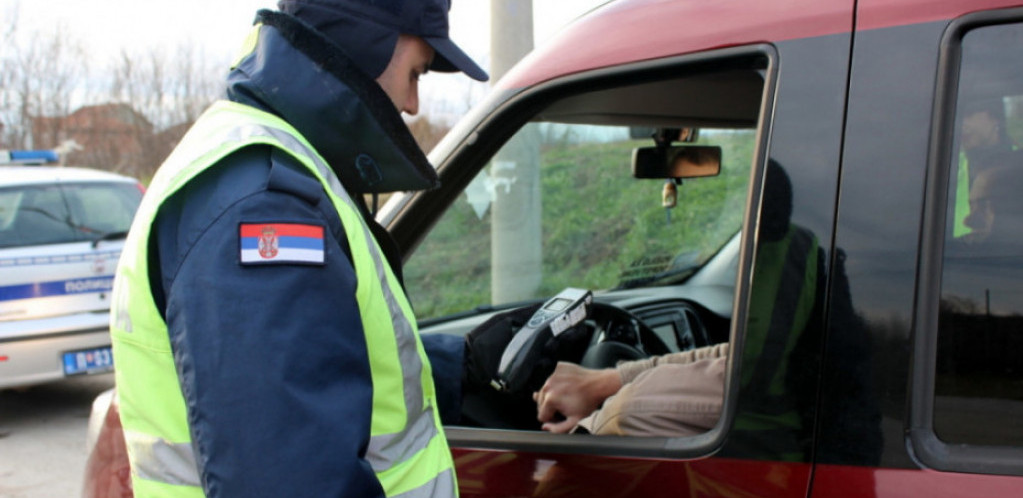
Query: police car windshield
[[33, 215]]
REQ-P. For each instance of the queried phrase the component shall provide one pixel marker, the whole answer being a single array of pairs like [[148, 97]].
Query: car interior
[[670, 298]]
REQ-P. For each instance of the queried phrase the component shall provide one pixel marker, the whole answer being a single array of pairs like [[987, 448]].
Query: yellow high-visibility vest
[[407, 449]]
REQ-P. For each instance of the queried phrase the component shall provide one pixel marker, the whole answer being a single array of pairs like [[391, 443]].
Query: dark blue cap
[[367, 30]]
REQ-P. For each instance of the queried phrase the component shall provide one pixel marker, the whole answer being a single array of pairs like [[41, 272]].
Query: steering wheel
[[618, 335], [608, 335]]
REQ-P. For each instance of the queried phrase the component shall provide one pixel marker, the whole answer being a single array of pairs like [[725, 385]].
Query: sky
[[108, 27]]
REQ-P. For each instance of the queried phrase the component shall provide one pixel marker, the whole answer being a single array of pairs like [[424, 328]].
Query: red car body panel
[[496, 473], [865, 482], [619, 33], [874, 14]]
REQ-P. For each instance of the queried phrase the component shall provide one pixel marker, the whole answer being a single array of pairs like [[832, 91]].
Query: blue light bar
[[28, 156]]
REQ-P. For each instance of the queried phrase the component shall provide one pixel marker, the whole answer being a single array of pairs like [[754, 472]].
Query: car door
[[935, 305], [538, 194]]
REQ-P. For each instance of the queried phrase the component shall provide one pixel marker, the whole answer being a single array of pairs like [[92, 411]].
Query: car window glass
[[39, 216], [10, 199], [979, 382], [52, 214], [595, 226], [103, 209]]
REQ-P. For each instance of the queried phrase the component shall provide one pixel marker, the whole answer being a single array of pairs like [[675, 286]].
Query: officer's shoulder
[[257, 168], [247, 173], [289, 176]]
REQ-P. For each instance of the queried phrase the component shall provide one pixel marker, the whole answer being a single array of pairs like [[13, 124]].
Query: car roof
[[627, 31], [35, 175]]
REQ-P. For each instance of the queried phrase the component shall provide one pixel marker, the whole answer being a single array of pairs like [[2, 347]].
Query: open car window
[[559, 207], [637, 185]]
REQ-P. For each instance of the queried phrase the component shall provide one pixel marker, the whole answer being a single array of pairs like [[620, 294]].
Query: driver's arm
[[576, 393], [670, 400], [631, 369]]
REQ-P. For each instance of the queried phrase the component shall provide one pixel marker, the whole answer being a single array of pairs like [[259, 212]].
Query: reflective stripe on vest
[[407, 449], [962, 198], [156, 459], [443, 485], [791, 294], [781, 305]]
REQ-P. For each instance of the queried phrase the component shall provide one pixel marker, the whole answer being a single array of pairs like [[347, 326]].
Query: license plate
[[87, 361]]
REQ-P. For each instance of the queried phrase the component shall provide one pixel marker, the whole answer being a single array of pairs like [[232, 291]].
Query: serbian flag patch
[[263, 243]]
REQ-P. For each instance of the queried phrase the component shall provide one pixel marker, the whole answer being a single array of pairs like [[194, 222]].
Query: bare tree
[[167, 94], [138, 81], [40, 74], [6, 99], [197, 81]]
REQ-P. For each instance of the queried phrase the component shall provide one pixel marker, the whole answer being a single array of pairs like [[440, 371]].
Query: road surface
[[42, 437]]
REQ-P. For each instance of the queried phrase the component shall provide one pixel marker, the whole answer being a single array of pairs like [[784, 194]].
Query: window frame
[[499, 119], [923, 440]]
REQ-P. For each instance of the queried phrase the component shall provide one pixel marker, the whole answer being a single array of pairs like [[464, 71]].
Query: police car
[[61, 233]]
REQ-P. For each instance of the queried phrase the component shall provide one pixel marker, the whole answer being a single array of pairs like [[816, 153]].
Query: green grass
[[598, 223]]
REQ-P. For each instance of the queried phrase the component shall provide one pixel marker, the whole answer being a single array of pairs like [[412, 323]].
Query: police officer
[[264, 343], [983, 142]]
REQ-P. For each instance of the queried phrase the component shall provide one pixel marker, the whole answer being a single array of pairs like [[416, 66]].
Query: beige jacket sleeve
[[673, 395], [629, 370]]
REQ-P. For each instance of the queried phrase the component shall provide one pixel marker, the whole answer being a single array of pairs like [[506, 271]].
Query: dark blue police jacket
[[272, 359]]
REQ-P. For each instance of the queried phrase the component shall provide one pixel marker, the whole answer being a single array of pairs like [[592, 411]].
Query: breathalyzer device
[[557, 315]]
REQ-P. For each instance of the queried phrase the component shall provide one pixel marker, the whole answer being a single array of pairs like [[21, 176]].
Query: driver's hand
[[573, 392]]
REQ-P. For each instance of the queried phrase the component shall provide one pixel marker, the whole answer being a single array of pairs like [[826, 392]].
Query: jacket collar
[[297, 74]]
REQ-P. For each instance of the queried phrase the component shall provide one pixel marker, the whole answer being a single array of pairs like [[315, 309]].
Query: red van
[[874, 141]]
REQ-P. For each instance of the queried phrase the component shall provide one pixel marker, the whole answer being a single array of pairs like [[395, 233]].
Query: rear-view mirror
[[684, 161]]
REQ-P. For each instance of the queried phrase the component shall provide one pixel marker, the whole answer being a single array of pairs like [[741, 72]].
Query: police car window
[[9, 202], [38, 215], [52, 214], [102, 209], [979, 371]]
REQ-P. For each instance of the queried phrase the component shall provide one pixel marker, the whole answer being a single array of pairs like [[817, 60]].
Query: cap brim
[[451, 59]]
